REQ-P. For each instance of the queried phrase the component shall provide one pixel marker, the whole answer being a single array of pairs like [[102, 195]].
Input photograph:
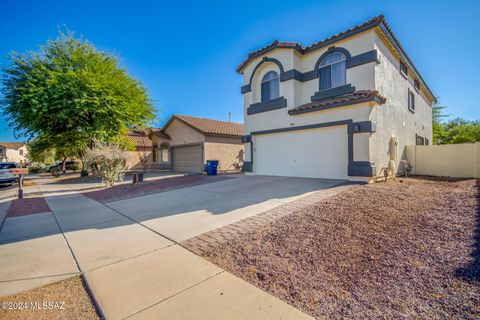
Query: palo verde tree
[[68, 94]]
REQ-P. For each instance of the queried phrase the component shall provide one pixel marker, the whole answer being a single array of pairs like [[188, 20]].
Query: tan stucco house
[[342, 108], [13, 152], [185, 143], [142, 152]]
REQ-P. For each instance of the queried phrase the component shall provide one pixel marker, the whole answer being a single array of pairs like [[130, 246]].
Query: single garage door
[[312, 153], [187, 159]]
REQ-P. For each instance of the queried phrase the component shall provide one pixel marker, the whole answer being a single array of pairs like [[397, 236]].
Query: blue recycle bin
[[212, 166]]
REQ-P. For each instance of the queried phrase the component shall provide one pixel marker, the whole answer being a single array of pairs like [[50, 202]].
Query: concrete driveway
[[129, 254], [185, 213]]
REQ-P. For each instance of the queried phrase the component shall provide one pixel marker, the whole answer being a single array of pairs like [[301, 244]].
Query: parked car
[[69, 165], [7, 177]]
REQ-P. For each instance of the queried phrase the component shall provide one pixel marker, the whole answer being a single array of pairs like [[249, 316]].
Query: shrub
[[108, 161], [37, 167]]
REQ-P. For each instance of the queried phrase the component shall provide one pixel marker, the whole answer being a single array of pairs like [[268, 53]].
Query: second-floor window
[[270, 86], [403, 69], [416, 85], [332, 71], [411, 101]]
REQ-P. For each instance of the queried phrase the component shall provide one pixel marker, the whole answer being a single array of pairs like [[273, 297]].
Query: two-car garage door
[[312, 153], [188, 158]]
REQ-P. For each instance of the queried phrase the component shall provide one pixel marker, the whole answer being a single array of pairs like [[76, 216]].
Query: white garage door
[[187, 159], [313, 153]]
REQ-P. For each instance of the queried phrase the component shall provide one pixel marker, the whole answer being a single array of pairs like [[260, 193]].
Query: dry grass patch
[[69, 294]]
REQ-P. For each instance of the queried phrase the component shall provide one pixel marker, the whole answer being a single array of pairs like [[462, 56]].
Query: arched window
[[164, 152], [332, 71], [270, 86]]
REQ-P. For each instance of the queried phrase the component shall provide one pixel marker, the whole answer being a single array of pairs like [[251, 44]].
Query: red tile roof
[[139, 138], [209, 126], [343, 100], [158, 132]]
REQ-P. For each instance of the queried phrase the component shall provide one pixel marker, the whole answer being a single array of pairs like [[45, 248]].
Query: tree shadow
[[471, 272]]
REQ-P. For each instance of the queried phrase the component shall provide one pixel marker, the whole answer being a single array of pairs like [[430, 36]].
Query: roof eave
[[377, 100]]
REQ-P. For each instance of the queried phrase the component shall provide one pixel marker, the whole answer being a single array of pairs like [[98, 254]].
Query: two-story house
[[342, 108], [13, 152]]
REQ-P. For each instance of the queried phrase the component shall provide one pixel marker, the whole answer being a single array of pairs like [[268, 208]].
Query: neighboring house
[[13, 152], [186, 143], [342, 108], [142, 154]]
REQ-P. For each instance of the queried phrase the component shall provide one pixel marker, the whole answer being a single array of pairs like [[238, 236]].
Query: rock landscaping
[[408, 248]]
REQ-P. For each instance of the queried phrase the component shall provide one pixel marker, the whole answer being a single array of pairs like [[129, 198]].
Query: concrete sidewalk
[[33, 253]]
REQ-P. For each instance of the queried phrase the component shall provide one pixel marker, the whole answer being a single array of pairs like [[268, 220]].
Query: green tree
[[40, 152], [462, 131], [68, 95], [438, 126]]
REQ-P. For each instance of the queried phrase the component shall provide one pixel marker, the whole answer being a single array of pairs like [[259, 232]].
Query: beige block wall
[[451, 160], [228, 153]]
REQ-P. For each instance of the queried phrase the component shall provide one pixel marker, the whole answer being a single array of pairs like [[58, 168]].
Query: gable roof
[[208, 126], [378, 21], [12, 145], [139, 138]]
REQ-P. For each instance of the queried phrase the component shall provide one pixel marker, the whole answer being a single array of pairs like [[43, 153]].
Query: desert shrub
[[37, 167], [108, 162]]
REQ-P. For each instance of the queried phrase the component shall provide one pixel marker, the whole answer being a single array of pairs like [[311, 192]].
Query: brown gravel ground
[[77, 302], [26, 206], [408, 248], [125, 191]]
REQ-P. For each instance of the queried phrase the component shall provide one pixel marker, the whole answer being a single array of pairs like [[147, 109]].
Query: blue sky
[[186, 52]]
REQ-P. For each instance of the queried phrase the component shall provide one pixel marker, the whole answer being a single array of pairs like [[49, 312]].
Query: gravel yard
[[68, 298], [408, 248]]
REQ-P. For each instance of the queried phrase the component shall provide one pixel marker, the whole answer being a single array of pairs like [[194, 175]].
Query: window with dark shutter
[[416, 85], [411, 101], [420, 140], [403, 69]]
